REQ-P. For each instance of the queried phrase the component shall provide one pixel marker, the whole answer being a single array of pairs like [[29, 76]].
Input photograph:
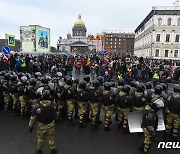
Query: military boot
[[39, 152], [54, 151]]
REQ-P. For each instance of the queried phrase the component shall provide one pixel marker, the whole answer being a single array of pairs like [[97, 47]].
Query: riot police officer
[[14, 94], [108, 105], [82, 99], [70, 95], [45, 113], [2, 103], [6, 87], [95, 94], [149, 125], [139, 98], [173, 113], [124, 106], [23, 93]]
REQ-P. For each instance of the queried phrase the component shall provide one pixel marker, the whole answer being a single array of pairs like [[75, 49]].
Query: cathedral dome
[[79, 21]]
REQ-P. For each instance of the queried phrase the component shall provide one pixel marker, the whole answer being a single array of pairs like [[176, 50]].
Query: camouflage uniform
[[70, 95], [82, 99], [173, 115], [22, 90], [45, 113], [7, 95], [108, 107], [149, 125], [124, 106]]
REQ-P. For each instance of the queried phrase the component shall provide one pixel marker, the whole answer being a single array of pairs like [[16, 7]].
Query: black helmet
[[37, 75], [59, 89], [58, 74], [69, 81], [121, 82], [148, 85], [82, 84], [2, 73], [158, 89], [100, 79], [176, 88], [14, 78], [95, 83], [46, 92], [164, 87], [112, 84], [33, 81], [107, 86], [7, 76], [76, 81], [140, 87], [20, 74], [28, 75], [126, 88], [65, 78], [48, 78], [24, 79], [133, 84], [87, 78], [43, 79]]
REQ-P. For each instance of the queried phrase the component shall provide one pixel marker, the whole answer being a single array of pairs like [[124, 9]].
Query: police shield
[[135, 120]]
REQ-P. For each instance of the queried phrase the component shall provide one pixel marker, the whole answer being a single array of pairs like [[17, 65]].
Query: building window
[[159, 21], [166, 53], [157, 53], [176, 53], [178, 22], [158, 36], [169, 22], [177, 38], [167, 37], [115, 46]]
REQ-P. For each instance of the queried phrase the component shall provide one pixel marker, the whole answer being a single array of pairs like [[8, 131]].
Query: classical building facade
[[78, 41], [158, 35], [120, 41]]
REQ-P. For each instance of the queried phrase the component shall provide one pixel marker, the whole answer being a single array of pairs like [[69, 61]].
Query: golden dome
[[79, 21]]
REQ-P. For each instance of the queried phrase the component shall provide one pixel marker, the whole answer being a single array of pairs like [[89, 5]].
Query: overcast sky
[[60, 15]]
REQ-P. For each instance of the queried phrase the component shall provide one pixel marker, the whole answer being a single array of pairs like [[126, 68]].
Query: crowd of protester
[[141, 69]]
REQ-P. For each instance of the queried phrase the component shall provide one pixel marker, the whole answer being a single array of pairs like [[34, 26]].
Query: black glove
[[31, 129]]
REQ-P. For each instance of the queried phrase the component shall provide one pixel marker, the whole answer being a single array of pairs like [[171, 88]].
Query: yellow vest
[[120, 76], [155, 76], [129, 70], [23, 64]]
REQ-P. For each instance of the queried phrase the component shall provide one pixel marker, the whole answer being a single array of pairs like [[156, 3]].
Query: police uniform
[[139, 98], [108, 105], [6, 87], [22, 90], [124, 106], [149, 125], [45, 113], [173, 113], [14, 94], [60, 100], [95, 94], [82, 99], [2, 104], [70, 95]]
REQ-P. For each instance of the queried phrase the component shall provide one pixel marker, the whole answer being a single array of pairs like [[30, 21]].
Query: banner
[[11, 40]]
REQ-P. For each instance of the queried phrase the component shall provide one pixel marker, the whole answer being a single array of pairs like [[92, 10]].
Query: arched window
[[169, 22], [178, 22], [159, 21]]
